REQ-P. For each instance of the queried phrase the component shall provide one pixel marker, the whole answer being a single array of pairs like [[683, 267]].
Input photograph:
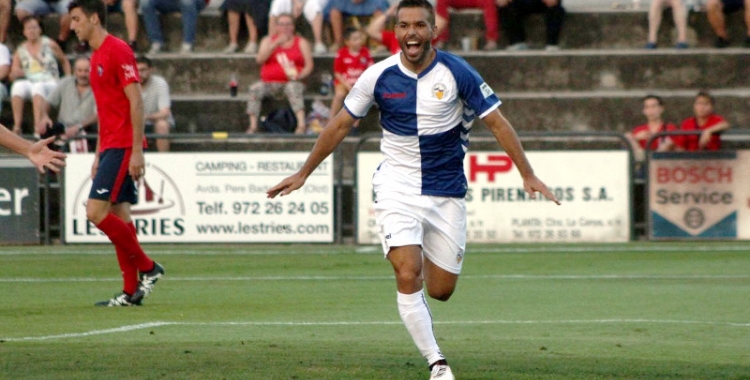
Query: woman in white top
[[35, 70]]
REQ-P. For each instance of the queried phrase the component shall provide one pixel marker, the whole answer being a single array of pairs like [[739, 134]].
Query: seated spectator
[[129, 8], [38, 8], [157, 105], [76, 109], [313, 11], [679, 13], [256, 19], [705, 120], [513, 14], [5, 61], [350, 62], [338, 10], [653, 109], [716, 11], [285, 59], [490, 20], [377, 31], [35, 70], [151, 9], [5, 8]]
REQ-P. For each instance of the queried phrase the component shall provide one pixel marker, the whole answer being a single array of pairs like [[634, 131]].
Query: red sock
[[127, 248], [142, 261]]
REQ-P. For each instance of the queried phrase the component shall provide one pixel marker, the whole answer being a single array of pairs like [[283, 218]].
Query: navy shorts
[[112, 182]]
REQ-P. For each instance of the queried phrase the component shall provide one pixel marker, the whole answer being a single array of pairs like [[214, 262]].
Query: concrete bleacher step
[[583, 29], [613, 111], [579, 70]]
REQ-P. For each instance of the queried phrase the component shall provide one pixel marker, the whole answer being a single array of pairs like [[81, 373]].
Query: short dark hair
[[418, 4], [655, 97], [90, 7], [140, 58], [707, 95], [349, 31]]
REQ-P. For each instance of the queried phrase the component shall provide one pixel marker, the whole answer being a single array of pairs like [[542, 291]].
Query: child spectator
[[653, 109], [350, 62], [705, 120]]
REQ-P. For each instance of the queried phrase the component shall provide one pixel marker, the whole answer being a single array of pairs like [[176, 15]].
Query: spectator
[[313, 11], [679, 13], [285, 59], [256, 18], [378, 32], [74, 101], [513, 14], [28, 8], [5, 8], [705, 120], [157, 105], [5, 61], [350, 62], [150, 9], [35, 70], [653, 109], [716, 9], [129, 8], [490, 20], [338, 10]]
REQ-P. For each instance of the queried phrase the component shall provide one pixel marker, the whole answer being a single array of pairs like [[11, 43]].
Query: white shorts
[[311, 8], [27, 89], [438, 224]]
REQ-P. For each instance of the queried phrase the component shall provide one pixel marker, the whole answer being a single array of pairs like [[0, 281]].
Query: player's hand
[[137, 167], [534, 184], [286, 186], [43, 157], [95, 166]]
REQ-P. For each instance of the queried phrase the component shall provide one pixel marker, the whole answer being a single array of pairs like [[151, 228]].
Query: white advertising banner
[[699, 195], [212, 197], [593, 186]]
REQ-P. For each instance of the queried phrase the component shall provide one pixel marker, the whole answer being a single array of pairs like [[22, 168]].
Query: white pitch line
[[142, 326], [380, 278]]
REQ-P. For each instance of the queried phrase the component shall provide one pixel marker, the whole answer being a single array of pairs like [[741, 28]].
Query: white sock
[[418, 321]]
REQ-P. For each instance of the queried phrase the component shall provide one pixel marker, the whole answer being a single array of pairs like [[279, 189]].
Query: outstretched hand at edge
[[534, 184]]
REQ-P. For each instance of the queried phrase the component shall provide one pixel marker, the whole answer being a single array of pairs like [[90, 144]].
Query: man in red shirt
[[119, 161], [706, 121]]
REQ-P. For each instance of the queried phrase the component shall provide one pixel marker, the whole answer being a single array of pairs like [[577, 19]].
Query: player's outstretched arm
[[329, 139], [38, 153], [507, 138]]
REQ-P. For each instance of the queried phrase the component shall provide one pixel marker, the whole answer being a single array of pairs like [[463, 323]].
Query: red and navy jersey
[[113, 67], [351, 66]]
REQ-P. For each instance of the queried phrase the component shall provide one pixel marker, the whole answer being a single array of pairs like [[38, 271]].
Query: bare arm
[[137, 162], [329, 139], [377, 24], [37, 153], [708, 133], [60, 55], [304, 46], [15, 68], [265, 49], [4, 71], [507, 138]]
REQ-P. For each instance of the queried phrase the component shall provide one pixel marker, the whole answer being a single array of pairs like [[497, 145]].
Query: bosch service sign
[[593, 187], [699, 195]]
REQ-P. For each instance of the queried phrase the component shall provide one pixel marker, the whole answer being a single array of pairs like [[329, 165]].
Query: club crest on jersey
[[129, 71], [459, 257], [438, 90], [99, 70]]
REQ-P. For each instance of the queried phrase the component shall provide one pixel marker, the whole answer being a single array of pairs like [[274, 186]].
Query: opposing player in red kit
[[119, 161]]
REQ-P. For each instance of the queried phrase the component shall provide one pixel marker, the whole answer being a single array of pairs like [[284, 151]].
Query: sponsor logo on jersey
[[438, 90], [486, 90]]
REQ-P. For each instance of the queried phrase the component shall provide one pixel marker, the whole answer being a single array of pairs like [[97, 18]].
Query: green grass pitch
[[595, 311]]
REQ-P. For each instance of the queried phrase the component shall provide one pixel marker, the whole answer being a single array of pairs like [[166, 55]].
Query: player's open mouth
[[412, 47]]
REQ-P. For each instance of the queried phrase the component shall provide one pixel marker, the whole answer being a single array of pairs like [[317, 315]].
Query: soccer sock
[[418, 321], [142, 261], [117, 231], [126, 246]]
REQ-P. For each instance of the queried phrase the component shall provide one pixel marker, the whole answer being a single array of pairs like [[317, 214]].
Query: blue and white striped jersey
[[426, 120]]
